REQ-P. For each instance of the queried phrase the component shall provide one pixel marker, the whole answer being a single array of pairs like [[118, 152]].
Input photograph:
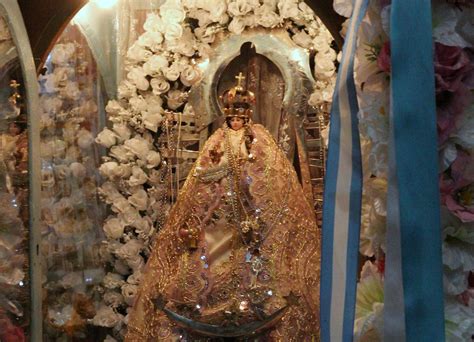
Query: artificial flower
[[126, 89], [138, 146], [154, 65], [113, 280], [129, 292], [113, 228], [153, 159], [138, 77], [153, 23], [190, 75], [288, 8], [151, 40], [107, 317], [343, 7], [457, 189], [173, 32], [159, 85], [237, 25], [139, 199], [113, 298], [122, 132], [138, 176]]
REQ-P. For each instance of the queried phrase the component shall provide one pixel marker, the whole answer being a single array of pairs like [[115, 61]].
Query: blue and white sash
[[342, 199], [413, 276]]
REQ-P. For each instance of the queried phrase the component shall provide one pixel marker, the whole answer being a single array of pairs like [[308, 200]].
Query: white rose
[[106, 138], [130, 249], [152, 121], [237, 25], [190, 75], [159, 85], [151, 40], [136, 263], [138, 104], [153, 23], [113, 298], [135, 278], [110, 192], [173, 32], [139, 199], [138, 77], [324, 67], [138, 176], [122, 171], [84, 139], [172, 12], [155, 64], [113, 280], [113, 228], [267, 18], [288, 8], [126, 89], [302, 39], [153, 159], [137, 53], [121, 153], [138, 146], [107, 317], [172, 73], [239, 7], [322, 42], [108, 169], [129, 293], [122, 131], [143, 227], [343, 7], [154, 103]]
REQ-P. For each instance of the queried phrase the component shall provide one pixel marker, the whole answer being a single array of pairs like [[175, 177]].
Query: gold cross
[[239, 79], [14, 84]]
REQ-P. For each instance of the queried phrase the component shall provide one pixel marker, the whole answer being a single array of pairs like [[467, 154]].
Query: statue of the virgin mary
[[239, 256]]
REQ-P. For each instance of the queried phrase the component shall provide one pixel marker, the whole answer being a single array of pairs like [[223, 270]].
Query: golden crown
[[237, 101]]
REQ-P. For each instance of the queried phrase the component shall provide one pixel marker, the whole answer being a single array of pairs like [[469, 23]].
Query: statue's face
[[236, 123]]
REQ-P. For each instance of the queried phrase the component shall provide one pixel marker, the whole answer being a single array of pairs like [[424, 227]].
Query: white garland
[[161, 68]]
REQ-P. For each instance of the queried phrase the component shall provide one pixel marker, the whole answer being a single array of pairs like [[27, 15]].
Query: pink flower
[[452, 68], [454, 74], [383, 59], [457, 188]]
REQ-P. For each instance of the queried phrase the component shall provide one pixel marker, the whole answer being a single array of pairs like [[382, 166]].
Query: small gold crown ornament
[[237, 101]]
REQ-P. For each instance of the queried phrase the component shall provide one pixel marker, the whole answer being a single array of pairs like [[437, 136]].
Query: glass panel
[[14, 282], [72, 213]]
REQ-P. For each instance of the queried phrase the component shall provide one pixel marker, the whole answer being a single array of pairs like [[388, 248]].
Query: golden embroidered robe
[[236, 270]]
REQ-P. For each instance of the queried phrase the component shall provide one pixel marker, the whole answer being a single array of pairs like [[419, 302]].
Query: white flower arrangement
[[162, 66]]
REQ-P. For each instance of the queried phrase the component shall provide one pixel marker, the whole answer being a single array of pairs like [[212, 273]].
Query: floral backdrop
[[453, 36], [71, 212], [161, 68]]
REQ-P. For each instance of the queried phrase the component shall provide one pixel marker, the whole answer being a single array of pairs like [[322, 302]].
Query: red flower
[[383, 59], [453, 68]]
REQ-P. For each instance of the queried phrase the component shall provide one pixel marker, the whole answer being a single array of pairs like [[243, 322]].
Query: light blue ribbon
[[342, 199], [413, 282]]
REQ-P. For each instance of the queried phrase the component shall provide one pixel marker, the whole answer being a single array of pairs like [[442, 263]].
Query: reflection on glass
[[71, 213], [14, 283]]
